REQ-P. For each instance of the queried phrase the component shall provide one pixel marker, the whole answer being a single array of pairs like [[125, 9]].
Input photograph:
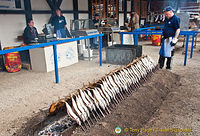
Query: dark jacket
[[58, 22], [170, 27], [30, 34]]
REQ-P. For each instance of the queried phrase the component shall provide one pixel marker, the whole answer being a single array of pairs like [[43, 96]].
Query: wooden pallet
[[26, 66]]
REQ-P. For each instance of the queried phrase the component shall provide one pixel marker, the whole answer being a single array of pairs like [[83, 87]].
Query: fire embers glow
[[91, 103]]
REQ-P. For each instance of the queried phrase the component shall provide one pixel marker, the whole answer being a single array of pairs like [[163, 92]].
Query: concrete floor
[[25, 93]]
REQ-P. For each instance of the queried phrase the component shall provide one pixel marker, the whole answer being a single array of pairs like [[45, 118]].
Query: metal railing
[[156, 32], [54, 43], [159, 25], [142, 29]]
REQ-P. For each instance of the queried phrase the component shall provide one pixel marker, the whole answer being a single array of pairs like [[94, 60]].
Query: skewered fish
[[98, 99]]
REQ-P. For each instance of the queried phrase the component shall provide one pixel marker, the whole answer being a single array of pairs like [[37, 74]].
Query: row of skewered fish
[[95, 101]]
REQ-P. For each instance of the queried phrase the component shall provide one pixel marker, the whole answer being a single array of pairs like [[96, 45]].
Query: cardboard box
[[42, 59]]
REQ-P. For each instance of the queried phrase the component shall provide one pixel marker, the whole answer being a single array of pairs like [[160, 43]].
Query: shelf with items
[[112, 9], [105, 8], [98, 7]]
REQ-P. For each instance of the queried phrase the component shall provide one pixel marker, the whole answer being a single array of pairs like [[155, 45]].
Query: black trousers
[[161, 61]]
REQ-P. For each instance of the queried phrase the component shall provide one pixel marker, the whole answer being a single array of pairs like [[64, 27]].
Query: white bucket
[[86, 54], [109, 44], [81, 47]]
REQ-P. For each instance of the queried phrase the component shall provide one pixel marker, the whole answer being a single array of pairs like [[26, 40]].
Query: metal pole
[[88, 40], [183, 41], [186, 49], [1, 60], [191, 53], [28, 10], [100, 50], [146, 36], [56, 62], [195, 40], [87, 45], [135, 36], [112, 38], [122, 38]]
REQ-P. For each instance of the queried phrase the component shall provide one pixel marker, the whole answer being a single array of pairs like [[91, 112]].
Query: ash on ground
[[56, 128]]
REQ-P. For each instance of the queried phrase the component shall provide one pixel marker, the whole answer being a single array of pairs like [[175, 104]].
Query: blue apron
[[166, 49]]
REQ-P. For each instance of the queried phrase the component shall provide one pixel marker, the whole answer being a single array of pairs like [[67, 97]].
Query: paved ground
[[26, 93]]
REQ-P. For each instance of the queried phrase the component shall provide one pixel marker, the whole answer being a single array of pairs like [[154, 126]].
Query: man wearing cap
[[171, 32], [96, 20]]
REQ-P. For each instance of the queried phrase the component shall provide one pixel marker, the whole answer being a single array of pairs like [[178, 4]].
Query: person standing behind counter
[[59, 24], [96, 21], [134, 21], [30, 33]]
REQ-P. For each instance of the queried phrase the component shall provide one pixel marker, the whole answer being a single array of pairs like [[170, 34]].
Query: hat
[[168, 8]]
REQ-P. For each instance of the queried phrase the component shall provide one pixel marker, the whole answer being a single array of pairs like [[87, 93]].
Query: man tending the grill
[[171, 32]]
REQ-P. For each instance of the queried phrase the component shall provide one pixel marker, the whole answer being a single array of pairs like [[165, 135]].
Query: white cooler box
[[42, 59], [127, 38]]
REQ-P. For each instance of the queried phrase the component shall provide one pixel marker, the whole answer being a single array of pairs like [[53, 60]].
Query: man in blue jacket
[[171, 32], [59, 24]]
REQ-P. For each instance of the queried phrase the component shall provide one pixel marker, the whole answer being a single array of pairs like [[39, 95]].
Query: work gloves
[[174, 41]]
